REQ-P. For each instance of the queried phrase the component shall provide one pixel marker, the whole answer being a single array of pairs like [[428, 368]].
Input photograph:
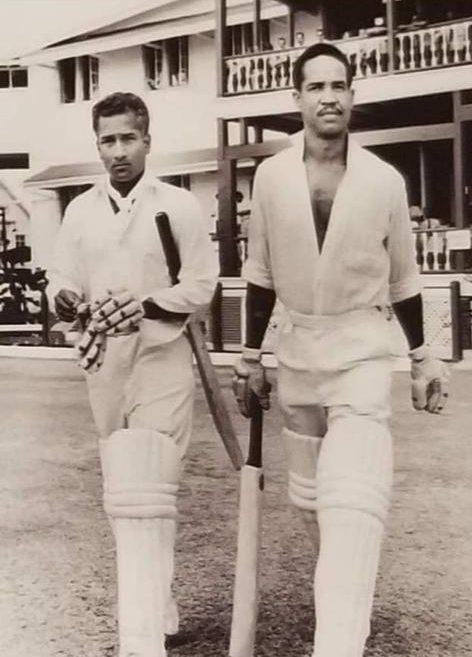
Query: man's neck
[[124, 188], [325, 151]]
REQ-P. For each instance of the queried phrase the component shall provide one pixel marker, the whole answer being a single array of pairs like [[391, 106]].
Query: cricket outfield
[[57, 580]]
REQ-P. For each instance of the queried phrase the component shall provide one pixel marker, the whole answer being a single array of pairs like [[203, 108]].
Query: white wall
[[182, 118], [45, 223]]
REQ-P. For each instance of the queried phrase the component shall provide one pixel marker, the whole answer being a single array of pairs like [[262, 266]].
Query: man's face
[[122, 146], [325, 99]]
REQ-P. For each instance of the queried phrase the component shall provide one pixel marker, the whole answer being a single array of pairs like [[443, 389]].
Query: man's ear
[[147, 141], [296, 97]]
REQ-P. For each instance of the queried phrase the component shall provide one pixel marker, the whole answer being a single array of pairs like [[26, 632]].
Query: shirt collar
[[147, 181], [298, 144]]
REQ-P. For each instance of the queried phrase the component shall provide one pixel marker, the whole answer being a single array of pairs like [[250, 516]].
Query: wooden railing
[[447, 44], [433, 252]]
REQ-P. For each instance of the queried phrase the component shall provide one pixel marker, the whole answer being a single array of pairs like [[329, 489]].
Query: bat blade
[[213, 394], [246, 587]]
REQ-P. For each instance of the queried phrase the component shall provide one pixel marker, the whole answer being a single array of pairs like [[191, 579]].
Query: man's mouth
[[121, 165], [330, 113]]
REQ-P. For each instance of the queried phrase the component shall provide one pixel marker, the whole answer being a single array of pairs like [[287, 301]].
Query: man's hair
[[316, 50], [121, 103]]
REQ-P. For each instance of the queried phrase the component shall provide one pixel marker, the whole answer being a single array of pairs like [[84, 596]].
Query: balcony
[[432, 47], [437, 252]]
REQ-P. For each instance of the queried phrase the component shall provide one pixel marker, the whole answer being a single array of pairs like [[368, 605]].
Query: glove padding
[[249, 378], [116, 313], [91, 348], [430, 377]]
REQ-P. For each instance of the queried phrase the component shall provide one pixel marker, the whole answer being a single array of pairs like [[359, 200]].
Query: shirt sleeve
[[404, 271], [66, 270], [199, 261], [257, 269]]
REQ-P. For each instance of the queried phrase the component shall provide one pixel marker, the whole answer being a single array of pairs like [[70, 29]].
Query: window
[[13, 76], [153, 64], [68, 193], [20, 240], [14, 160], [166, 63], [89, 66], [79, 78], [178, 180], [177, 56], [241, 38]]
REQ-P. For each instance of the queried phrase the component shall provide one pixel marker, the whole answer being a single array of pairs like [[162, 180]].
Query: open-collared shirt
[[368, 256]]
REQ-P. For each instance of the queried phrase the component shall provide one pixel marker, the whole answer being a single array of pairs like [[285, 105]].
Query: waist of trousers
[[333, 320]]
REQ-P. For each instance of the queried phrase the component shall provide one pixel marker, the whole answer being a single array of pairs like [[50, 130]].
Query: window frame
[[10, 71]]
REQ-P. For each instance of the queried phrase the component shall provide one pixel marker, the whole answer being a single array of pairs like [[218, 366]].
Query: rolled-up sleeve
[[257, 269], [404, 273], [199, 261], [66, 271]]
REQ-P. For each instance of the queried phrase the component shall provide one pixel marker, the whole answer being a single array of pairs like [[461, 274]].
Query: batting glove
[[249, 378], [92, 344], [429, 381], [91, 349], [117, 313]]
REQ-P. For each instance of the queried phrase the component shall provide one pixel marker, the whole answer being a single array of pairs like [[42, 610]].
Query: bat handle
[[255, 434]]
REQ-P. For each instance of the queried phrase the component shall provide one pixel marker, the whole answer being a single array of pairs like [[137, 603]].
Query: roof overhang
[[136, 36], [171, 164]]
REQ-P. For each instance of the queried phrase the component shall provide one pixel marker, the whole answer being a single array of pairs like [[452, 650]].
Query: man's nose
[[328, 96], [119, 149]]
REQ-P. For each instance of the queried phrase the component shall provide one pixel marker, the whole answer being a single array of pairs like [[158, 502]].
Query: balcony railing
[[436, 46], [433, 252]]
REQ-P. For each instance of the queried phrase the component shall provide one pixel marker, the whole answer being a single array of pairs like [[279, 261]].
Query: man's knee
[[141, 471], [355, 466], [302, 455]]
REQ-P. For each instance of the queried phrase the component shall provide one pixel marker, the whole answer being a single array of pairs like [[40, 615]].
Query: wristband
[[251, 355]]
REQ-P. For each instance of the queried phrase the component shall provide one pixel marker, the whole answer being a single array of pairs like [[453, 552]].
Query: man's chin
[[121, 176]]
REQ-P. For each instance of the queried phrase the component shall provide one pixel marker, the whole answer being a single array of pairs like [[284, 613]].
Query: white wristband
[[251, 355]]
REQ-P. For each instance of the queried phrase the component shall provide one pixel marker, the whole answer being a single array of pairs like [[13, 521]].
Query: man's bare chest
[[323, 183]]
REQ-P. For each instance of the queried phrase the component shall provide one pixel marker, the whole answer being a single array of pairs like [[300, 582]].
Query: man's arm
[[198, 274], [260, 303], [249, 374], [66, 276], [409, 313]]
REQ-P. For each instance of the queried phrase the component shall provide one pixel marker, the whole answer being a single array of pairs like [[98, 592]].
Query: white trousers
[[334, 388], [146, 386]]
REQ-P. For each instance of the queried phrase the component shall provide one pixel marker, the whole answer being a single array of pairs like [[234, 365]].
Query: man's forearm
[[409, 313], [260, 302]]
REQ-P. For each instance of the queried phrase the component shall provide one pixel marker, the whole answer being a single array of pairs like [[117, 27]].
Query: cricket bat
[[246, 584], [197, 342]]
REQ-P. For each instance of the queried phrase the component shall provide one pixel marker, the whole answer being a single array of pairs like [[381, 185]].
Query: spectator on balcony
[[416, 216], [330, 237]]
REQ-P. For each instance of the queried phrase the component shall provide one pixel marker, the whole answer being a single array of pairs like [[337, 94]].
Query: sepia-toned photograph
[[236, 328]]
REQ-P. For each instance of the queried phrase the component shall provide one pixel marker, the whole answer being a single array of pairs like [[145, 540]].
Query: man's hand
[[118, 312], [249, 378], [65, 305], [429, 381]]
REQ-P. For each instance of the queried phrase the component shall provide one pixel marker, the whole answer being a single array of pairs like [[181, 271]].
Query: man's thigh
[[160, 394]]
